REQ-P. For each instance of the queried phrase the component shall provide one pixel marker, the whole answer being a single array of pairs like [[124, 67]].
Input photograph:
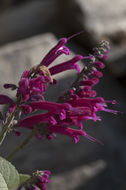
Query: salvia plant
[[65, 116]]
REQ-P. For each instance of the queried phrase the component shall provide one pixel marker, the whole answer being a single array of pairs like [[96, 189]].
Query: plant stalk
[[24, 143], [6, 127]]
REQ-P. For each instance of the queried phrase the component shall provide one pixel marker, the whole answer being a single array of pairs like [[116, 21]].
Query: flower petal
[[5, 99], [68, 65]]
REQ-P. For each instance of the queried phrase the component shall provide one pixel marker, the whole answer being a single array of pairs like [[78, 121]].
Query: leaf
[[23, 178], [3, 185], [9, 174]]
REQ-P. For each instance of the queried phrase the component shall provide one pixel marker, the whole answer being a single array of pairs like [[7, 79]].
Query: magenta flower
[[12, 108], [99, 64], [86, 92], [54, 108], [24, 89], [72, 133], [30, 122], [95, 104], [55, 52], [37, 86], [96, 73], [38, 180], [31, 89], [89, 82], [11, 86], [26, 108], [71, 64], [5, 99]]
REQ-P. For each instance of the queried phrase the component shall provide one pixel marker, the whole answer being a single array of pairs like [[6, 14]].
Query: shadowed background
[[28, 29]]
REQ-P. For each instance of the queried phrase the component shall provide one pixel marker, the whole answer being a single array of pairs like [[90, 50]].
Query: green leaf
[[3, 185], [23, 178], [9, 174]]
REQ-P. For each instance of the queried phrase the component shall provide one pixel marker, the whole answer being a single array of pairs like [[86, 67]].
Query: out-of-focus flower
[[38, 181]]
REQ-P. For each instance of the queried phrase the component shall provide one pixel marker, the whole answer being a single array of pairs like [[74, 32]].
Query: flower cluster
[[77, 105], [38, 180], [66, 116]]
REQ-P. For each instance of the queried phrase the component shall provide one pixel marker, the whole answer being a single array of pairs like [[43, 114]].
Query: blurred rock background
[[28, 29]]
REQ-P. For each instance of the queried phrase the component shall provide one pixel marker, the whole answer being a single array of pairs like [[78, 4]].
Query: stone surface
[[99, 17], [85, 165], [28, 19], [104, 18]]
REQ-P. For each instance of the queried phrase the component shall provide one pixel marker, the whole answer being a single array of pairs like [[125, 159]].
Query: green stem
[[6, 126], [9, 121], [25, 142]]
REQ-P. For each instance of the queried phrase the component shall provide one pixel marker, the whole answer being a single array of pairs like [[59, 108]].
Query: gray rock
[[98, 17], [27, 19]]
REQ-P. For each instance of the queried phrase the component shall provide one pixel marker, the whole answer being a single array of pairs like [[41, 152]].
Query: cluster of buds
[[38, 181]]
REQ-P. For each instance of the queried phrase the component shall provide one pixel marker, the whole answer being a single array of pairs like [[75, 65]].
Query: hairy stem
[[9, 121], [6, 126]]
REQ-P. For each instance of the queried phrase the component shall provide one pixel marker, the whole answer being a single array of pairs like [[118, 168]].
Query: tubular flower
[[72, 133], [55, 52], [54, 108], [31, 121], [71, 64], [26, 108]]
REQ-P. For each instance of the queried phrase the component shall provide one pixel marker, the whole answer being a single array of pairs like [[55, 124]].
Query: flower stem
[[85, 71], [6, 127], [74, 84], [24, 143], [9, 121]]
